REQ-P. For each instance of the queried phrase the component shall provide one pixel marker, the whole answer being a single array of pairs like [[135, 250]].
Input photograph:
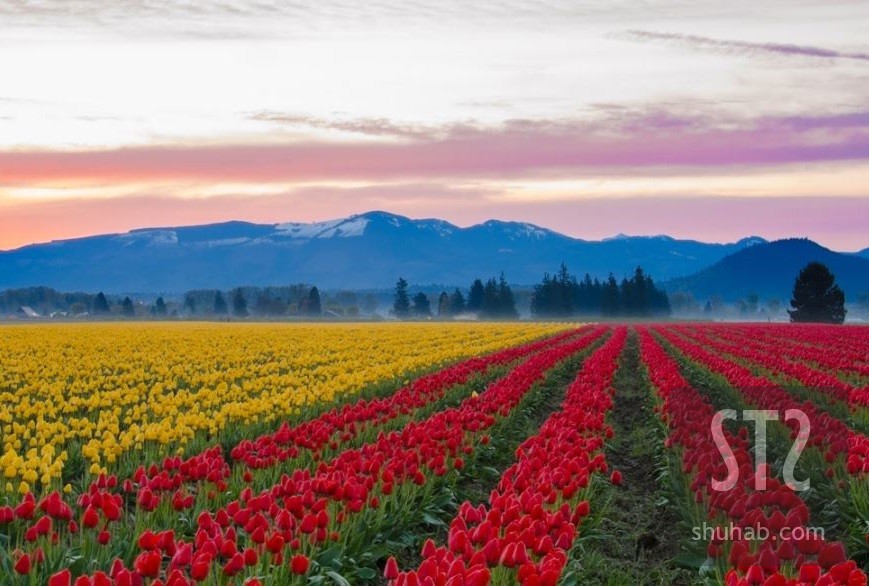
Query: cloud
[[366, 126], [282, 19], [731, 47], [518, 148]]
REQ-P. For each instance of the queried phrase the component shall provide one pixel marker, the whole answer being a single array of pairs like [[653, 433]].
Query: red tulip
[[810, 572], [250, 557], [391, 572], [148, 564], [299, 564], [22, 566], [234, 565], [125, 578], [832, 554], [61, 578], [199, 570], [91, 518]]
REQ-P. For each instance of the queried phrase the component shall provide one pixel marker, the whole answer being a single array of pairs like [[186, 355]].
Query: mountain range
[[371, 250], [769, 271]]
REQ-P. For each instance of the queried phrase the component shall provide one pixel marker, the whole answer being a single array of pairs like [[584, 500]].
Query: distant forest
[[492, 300], [563, 295], [292, 300], [558, 296]]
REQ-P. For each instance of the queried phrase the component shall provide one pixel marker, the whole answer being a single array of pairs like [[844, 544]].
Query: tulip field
[[434, 454]]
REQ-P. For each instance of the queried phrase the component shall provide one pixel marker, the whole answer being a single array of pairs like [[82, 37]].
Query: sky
[[700, 119]]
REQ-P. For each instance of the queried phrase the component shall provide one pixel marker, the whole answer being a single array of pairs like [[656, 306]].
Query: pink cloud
[[518, 148], [732, 47]]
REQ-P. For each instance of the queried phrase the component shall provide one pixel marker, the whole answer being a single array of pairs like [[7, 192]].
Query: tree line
[[493, 299], [303, 300], [293, 300], [562, 295], [816, 298]]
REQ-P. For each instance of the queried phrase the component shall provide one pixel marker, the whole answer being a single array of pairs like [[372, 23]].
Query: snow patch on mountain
[[223, 242], [150, 237], [515, 230], [343, 228], [439, 227]]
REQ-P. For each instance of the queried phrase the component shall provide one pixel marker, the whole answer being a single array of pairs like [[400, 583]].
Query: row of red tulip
[[824, 336], [103, 511], [827, 434], [837, 457], [534, 513], [305, 511], [334, 429], [736, 343], [840, 349], [756, 537], [341, 424]]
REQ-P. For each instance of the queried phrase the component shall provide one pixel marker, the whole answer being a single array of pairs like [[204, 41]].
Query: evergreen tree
[[220, 307], [457, 302], [816, 297], [542, 296], [626, 297], [401, 306], [610, 297], [659, 301], [268, 305], [101, 304], [491, 303], [127, 308], [506, 301], [642, 290], [190, 303], [444, 305], [421, 305], [314, 302], [563, 297], [588, 300], [558, 296], [239, 304], [476, 296], [159, 308]]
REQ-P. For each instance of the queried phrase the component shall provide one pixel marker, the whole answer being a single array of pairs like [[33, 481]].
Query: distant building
[[28, 312]]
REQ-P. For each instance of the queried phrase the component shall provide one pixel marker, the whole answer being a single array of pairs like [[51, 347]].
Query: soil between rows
[[639, 534]]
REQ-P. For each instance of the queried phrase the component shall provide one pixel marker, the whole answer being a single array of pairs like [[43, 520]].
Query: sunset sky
[[702, 119]]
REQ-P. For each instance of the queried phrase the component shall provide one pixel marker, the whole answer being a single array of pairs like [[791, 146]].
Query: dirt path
[[640, 533]]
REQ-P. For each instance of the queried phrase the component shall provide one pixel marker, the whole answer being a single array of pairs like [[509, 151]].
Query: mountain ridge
[[769, 271], [286, 226], [369, 250]]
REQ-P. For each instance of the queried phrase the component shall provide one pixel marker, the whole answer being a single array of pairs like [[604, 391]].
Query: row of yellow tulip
[[111, 390]]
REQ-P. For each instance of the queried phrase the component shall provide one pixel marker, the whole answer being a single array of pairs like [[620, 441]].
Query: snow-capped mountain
[[361, 251]]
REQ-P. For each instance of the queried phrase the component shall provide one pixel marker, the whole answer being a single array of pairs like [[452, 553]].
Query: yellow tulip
[[112, 390]]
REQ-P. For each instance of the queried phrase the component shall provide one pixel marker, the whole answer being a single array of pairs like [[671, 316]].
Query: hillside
[[769, 270]]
